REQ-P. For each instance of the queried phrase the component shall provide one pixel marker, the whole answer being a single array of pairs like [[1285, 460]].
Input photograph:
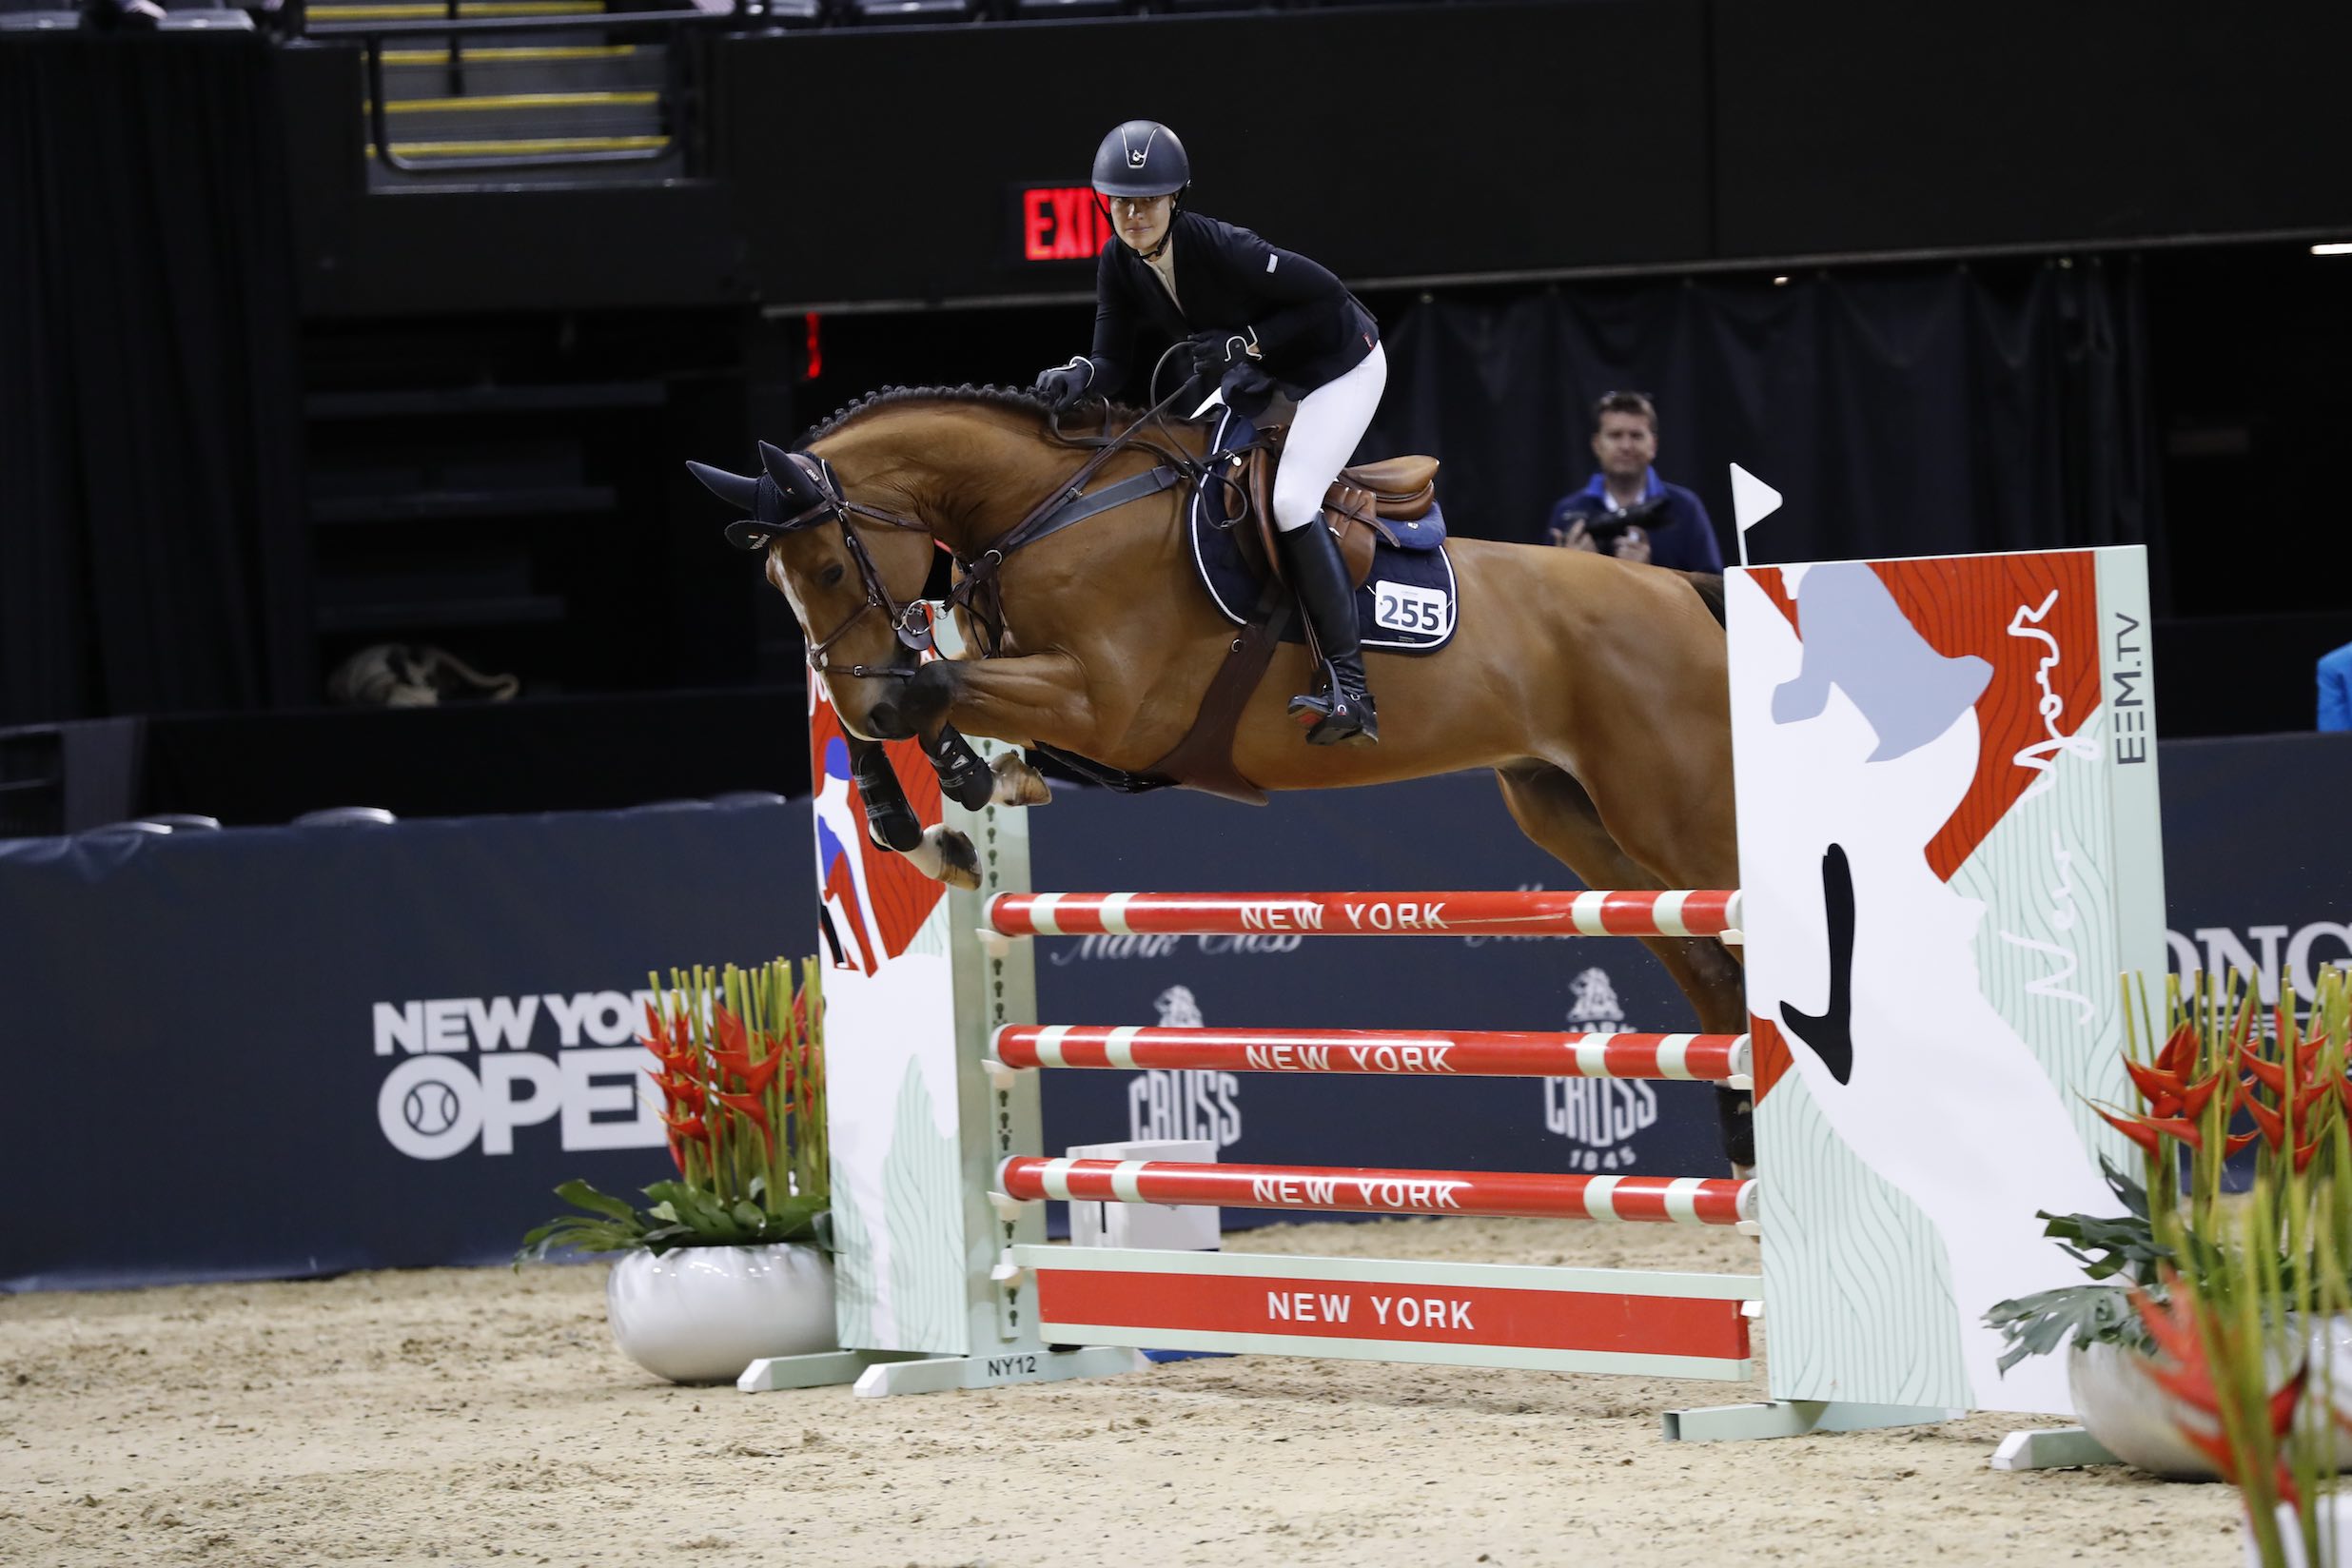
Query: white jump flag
[[1753, 501]]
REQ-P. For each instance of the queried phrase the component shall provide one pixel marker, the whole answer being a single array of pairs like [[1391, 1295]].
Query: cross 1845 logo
[[1183, 1103], [1599, 1115]]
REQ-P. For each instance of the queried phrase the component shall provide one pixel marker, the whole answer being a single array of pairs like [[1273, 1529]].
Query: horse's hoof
[[946, 856], [1017, 783]]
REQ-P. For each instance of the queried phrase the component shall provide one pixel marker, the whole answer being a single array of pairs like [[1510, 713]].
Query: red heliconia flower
[[684, 1126], [747, 1105], [2173, 1326], [654, 1040], [2237, 1143], [2190, 1382], [2282, 1405], [679, 1091], [2272, 1125], [2150, 1131], [2242, 1033], [2170, 1323], [757, 1112], [2179, 1052], [2271, 1075], [2194, 1099], [729, 1030], [758, 1075], [2164, 1091]]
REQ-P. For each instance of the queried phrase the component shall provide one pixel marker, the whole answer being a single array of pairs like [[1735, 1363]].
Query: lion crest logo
[[1596, 1002], [1177, 1007]]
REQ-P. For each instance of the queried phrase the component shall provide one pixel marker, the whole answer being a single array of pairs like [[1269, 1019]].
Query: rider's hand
[[1633, 545], [1578, 537], [1213, 351], [1065, 384]]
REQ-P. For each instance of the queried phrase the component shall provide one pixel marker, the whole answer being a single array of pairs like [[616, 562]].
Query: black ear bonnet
[[794, 491]]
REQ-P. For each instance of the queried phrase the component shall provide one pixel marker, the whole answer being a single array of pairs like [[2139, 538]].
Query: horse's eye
[[832, 573]]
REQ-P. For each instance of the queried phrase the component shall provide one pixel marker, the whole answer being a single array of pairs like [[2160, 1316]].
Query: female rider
[[1239, 302]]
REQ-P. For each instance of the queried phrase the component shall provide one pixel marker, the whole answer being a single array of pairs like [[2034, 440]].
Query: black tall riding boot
[[1341, 714]]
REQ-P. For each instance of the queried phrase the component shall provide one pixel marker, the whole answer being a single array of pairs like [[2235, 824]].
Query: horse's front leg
[[1032, 698], [941, 852]]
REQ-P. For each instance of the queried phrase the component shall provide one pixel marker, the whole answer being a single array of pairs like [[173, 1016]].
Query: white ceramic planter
[[2117, 1403], [701, 1314]]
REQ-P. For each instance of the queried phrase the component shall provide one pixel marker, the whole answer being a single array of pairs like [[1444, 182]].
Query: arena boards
[[1948, 812]]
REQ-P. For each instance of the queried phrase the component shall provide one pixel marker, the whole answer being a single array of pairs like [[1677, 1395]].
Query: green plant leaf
[[2081, 1315], [580, 1194]]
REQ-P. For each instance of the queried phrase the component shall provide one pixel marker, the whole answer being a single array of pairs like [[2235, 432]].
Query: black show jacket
[[1310, 329]]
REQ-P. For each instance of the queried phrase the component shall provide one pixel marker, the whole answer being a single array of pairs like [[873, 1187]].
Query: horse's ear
[[740, 490], [792, 475]]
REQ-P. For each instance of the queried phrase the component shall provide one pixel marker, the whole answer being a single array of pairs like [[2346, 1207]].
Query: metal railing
[[677, 98]]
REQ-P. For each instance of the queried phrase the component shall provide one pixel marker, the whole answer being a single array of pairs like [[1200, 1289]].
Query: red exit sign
[[1060, 224]]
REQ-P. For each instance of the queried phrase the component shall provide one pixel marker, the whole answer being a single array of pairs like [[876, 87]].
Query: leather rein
[[978, 591]]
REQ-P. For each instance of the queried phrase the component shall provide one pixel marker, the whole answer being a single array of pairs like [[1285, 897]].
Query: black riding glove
[[1212, 352], [1247, 389], [1065, 383]]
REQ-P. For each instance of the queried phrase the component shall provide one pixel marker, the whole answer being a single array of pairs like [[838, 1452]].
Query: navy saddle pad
[[1406, 606]]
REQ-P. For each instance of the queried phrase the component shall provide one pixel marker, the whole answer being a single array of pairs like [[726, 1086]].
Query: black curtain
[[152, 553], [1937, 411]]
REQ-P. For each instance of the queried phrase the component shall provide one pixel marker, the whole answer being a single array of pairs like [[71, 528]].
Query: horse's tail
[[1709, 586]]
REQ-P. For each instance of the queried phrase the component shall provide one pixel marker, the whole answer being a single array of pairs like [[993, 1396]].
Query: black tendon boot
[[1341, 714]]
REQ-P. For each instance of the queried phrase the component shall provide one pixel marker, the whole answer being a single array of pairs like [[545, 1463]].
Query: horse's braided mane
[[1019, 400]]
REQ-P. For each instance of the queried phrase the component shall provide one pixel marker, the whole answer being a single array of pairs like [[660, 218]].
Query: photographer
[[1627, 511]]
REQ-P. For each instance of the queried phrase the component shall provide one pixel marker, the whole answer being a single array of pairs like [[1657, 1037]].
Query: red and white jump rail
[[1684, 913], [1677, 1199], [1434, 1053]]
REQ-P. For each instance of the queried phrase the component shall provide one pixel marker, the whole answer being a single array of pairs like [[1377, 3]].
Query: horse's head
[[854, 574]]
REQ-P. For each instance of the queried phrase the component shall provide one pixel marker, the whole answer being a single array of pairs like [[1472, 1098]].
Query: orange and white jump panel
[[1555, 1319]]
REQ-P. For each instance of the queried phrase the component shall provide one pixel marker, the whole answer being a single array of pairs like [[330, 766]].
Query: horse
[[1594, 688]]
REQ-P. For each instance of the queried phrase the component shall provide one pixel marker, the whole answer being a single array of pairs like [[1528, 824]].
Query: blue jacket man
[[2336, 689], [1627, 510]]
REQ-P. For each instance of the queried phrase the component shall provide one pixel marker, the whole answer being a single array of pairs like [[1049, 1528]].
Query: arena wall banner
[[293, 1051], [192, 1030]]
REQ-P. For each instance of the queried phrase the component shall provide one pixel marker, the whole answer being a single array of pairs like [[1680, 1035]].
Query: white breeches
[[1330, 420]]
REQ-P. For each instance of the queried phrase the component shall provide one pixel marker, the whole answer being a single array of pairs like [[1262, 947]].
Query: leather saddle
[[1358, 508]]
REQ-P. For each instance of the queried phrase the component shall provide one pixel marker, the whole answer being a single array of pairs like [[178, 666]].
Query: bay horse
[[1594, 688]]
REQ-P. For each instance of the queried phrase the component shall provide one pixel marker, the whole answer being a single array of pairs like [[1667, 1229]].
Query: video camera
[[1605, 528]]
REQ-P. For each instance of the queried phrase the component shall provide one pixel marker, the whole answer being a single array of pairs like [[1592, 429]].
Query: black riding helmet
[[1142, 158]]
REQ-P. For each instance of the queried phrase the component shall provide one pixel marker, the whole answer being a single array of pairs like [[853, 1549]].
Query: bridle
[[831, 505], [977, 592]]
